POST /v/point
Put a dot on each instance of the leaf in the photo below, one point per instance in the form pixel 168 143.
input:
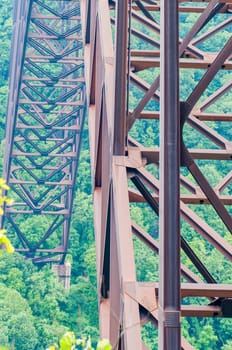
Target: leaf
pixel 104 344
pixel 7 200
pixel 67 341
pixel 6 242
pixel 3 184
pixel 52 347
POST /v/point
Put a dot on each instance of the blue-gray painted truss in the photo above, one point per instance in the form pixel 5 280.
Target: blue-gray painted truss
pixel 45 117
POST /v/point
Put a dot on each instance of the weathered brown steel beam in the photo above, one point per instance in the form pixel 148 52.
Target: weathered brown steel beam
pixel 213 116
pixel 200 311
pixel 185 198
pixel 189 9
pixel 142 62
pixel 199 115
pixel 115 258
pixel 140 289
pixel 224 183
pixel 136 158
pixel 152 154
pixel 203 290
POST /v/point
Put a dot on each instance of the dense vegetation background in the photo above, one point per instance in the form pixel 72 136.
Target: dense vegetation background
pixel 35 310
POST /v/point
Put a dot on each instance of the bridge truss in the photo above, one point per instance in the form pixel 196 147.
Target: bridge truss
pixel 145 162
pixel 46 109
pixel 152 142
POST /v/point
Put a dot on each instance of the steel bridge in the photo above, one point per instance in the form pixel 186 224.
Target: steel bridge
pixel 153 140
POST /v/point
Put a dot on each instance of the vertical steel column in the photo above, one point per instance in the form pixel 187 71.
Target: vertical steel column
pixel 169 285
pixel 120 77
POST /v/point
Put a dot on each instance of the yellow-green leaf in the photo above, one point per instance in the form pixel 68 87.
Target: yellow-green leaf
pixel 3 184
pixel 104 344
pixel 6 242
pixel 8 201
pixel 67 341
pixel 52 347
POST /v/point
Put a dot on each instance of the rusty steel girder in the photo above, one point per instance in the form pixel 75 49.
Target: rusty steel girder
pixel 152 140
pixel 45 119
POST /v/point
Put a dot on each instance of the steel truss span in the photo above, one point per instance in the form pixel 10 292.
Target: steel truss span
pixel 45 118
pixel 157 135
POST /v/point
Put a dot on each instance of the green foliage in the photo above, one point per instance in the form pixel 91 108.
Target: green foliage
pixel 227 346
pixel 150 336
pixel 22 332
pixel 39 294
pixel 16 320
pixel 82 308
pixel 69 342
pixel 207 339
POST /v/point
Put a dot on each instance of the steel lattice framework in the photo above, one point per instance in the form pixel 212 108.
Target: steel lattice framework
pixel 152 141
pixel 45 118
pixel 129 145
